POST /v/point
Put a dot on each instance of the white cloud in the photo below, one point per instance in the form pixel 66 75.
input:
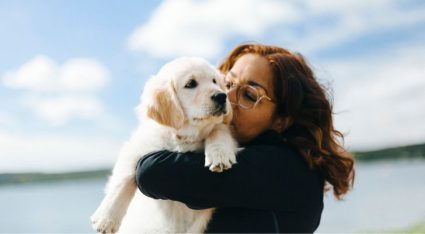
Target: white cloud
pixel 47 153
pixel 60 93
pixel 346 21
pixel 7 119
pixel 83 74
pixel 59 110
pixel 43 74
pixel 40 73
pixel 201 27
pixel 381 98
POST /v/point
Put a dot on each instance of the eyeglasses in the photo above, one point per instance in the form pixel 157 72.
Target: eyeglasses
pixel 247 96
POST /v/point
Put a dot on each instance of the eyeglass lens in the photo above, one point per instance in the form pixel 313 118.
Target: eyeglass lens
pixel 247 96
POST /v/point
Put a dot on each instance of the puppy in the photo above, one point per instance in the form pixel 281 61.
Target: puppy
pixel 183 108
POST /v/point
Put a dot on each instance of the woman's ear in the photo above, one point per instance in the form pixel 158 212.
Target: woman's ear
pixel 165 108
pixel 282 123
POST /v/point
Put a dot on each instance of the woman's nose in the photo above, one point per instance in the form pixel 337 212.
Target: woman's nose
pixel 231 94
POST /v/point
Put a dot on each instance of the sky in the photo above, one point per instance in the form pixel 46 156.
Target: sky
pixel 71 72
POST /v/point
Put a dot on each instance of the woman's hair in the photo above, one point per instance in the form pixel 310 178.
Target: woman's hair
pixel 304 102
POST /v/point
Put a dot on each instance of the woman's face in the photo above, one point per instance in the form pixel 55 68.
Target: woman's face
pixel 255 71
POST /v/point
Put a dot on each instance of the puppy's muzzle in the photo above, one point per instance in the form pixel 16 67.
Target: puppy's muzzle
pixel 220 103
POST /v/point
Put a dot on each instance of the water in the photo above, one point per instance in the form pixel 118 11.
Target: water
pixel 50 207
pixel 387 196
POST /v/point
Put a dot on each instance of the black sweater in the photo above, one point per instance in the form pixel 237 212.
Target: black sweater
pixel 270 189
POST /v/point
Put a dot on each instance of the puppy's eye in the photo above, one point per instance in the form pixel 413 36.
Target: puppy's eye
pixel 191 84
pixel 215 82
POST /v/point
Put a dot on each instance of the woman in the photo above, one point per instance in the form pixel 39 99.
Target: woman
pixel 291 152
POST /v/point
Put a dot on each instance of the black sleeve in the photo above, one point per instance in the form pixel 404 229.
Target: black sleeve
pixel 265 177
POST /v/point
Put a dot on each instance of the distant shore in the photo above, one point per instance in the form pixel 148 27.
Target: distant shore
pixel 404 152
pixel 22 178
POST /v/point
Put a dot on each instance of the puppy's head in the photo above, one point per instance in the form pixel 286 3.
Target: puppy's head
pixel 186 91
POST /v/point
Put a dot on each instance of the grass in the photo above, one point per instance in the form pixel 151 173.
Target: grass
pixel 415 228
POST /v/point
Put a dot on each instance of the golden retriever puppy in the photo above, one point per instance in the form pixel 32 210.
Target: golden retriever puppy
pixel 183 108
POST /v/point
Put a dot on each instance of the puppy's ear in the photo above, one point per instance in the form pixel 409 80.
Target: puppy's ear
pixel 165 107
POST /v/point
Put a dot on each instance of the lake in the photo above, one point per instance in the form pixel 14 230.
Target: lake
pixel 387 196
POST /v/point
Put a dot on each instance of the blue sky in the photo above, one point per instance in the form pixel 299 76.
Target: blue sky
pixel 71 72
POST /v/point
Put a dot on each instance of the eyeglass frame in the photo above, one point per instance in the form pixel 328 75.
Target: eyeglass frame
pixel 238 87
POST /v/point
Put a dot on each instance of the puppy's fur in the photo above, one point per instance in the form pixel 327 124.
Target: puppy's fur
pixel 182 109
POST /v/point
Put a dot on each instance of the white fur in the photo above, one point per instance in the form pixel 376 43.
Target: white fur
pixel 200 128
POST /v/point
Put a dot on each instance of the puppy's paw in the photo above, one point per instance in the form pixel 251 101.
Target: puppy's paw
pixel 219 159
pixel 103 223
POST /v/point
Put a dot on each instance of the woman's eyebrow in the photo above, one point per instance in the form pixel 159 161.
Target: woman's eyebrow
pixel 250 82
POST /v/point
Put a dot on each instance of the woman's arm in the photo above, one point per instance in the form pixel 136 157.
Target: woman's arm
pixel 265 177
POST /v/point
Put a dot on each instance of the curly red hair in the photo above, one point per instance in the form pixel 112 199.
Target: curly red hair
pixel 304 101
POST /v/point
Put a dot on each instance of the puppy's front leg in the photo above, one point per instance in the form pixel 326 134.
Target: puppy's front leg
pixel 220 149
pixel 119 192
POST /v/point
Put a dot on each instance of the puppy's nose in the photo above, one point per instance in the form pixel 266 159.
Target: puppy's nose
pixel 219 98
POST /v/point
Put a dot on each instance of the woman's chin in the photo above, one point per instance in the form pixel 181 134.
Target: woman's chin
pixel 240 137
